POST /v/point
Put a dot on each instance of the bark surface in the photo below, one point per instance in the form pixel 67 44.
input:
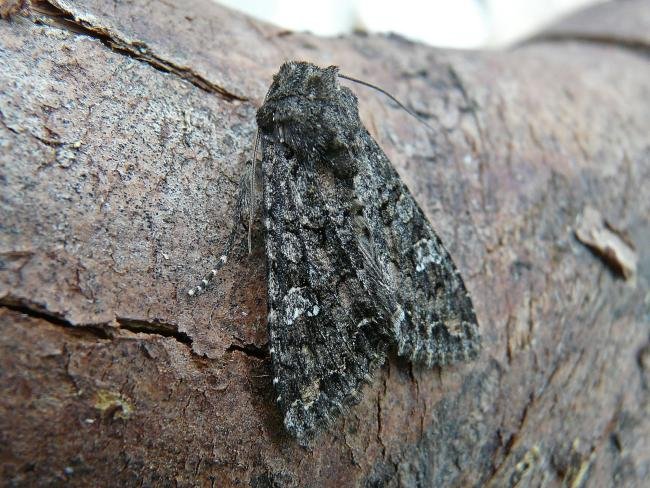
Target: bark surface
pixel 123 130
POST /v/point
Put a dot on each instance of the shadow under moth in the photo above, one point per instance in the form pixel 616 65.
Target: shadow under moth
pixel 354 267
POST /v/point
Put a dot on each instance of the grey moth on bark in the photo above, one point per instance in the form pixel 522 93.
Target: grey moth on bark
pixel 354 268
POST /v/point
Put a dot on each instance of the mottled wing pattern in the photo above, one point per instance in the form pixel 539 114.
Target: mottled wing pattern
pixel 435 321
pixel 325 333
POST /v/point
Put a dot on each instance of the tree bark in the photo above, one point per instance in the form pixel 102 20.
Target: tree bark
pixel 123 131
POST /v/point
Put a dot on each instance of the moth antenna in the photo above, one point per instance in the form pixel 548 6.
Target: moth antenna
pixel 243 199
pixel 381 90
pixel 252 192
pixel 252 181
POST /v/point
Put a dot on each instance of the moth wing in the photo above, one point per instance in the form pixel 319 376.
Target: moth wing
pixel 326 331
pixel 432 316
pixel 439 325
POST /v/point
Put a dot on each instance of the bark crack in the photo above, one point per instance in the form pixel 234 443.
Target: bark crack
pixel 101 330
pixel 36 310
pixel 154 327
pixel 511 442
pixel 249 349
pixel 379 438
pixel 58 15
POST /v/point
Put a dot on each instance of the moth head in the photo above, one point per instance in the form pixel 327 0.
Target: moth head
pixel 308 110
pixel 299 78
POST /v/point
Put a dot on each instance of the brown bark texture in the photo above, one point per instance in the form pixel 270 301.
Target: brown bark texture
pixel 124 127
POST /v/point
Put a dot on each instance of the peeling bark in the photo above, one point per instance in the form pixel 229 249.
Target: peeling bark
pixel 123 129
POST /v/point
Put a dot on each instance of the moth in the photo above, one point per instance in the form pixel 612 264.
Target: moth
pixel 354 267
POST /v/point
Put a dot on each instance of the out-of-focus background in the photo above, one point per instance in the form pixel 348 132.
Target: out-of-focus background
pixel 446 23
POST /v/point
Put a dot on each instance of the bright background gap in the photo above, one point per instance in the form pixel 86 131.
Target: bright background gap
pixel 468 24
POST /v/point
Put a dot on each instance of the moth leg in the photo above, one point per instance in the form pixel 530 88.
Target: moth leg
pixel 245 206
